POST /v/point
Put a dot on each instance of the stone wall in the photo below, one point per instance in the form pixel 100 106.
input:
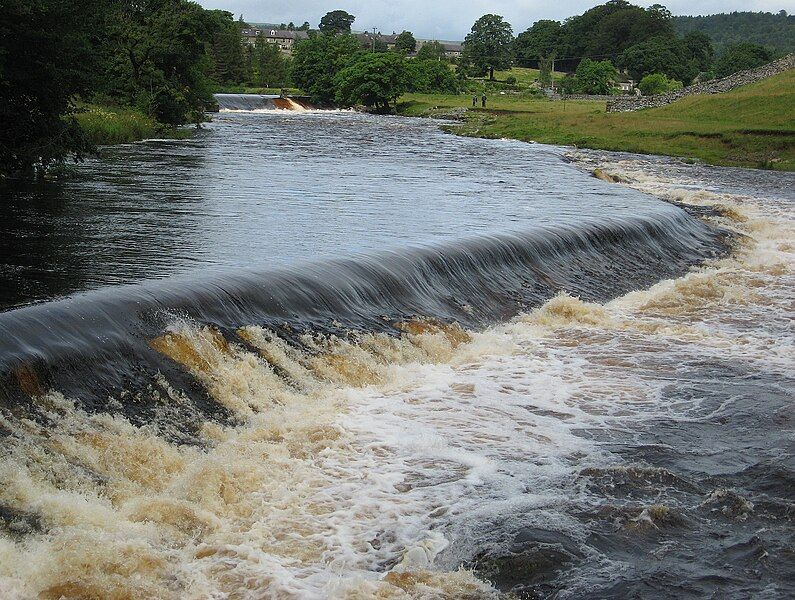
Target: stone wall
pixel 717 86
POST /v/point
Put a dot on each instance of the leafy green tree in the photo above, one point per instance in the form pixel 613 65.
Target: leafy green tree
pixel 405 43
pixel 225 49
pixel 431 51
pixel 488 46
pixel 609 29
pixel 269 67
pixel 317 60
pixel 545 72
pixel 372 79
pixel 155 58
pixel 595 77
pixel 657 83
pixel 699 48
pixel 379 45
pixel 305 27
pixel 739 57
pixel 667 55
pixel 431 77
pixel 543 39
pixel 337 21
pixel 47 58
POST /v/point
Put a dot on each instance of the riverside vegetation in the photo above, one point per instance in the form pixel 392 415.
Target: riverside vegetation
pixel 113 71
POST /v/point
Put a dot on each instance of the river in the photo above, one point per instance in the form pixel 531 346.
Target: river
pixel 314 354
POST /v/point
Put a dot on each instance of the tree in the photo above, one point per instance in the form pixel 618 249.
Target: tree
pixel 227 61
pixel 431 77
pixel 595 77
pixel 739 57
pixel 317 60
pixel 305 27
pixel 155 58
pixel 667 55
pixel 488 46
pixel 405 43
pixel 431 51
pixel 543 39
pixel 373 79
pixel 337 21
pixel 268 65
pixel 699 48
pixel 545 72
pixel 657 83
pixel 47 57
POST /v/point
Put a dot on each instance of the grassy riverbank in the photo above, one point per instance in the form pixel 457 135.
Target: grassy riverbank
pixel 104 125
pixel 753 126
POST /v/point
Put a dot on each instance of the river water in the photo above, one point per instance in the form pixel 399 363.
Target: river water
pixel 319 354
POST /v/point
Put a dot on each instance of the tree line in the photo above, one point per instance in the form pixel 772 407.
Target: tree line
pixel 164 58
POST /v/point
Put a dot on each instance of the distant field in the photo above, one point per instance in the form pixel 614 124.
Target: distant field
pixel 753 126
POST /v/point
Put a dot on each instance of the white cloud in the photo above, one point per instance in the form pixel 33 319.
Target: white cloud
pixel 451 19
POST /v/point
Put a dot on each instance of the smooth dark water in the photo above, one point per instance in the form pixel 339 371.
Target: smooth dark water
pixel 327 355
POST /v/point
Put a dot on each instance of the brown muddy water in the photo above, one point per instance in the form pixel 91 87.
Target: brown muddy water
pixel 324 355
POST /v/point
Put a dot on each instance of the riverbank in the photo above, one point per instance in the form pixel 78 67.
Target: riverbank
pixel 105 125
pixel 753 126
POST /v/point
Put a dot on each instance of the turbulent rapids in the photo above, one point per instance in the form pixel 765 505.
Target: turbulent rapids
pixel 593 401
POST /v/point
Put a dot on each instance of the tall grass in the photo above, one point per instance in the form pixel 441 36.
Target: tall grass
pixel 105 125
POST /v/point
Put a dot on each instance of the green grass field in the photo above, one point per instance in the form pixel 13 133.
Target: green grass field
pixel 104 125
pixel 753 126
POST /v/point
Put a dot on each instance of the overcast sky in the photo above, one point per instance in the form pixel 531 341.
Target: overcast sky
pixel 451 19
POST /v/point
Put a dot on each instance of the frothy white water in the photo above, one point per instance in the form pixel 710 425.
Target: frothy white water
pixel 368 467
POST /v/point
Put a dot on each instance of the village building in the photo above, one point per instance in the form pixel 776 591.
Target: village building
pixel 451 49
pixel 283 38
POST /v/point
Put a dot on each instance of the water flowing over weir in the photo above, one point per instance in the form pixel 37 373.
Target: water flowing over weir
pixel 94 346
pixel 318 355
pixel 259 102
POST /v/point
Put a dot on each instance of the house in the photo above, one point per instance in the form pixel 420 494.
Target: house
pixel 285 39
pixel 625 83
pixel 451 49
pixel 367 40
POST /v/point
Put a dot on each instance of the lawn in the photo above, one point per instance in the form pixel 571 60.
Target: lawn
pixel 753 126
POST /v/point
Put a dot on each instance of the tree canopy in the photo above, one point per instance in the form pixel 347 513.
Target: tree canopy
pixel 337 21
pixel 488 45
pixel 317 60
pixel 47 55
pixel 739 57
pixel 431 51
pixel 373 79
pixel 774 31
pixel 405 42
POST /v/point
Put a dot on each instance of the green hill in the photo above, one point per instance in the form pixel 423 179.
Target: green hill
pixel 776 31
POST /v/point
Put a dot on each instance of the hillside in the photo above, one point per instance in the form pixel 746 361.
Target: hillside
pixel 752 126
pixel 777 31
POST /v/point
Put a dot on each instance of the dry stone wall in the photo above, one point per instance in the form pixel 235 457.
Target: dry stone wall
pixel 717 86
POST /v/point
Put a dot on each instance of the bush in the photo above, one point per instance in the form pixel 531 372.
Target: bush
pixel 510 80
pixel 431 77
pixel 657 83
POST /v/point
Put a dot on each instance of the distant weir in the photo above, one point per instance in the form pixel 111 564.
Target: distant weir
pixel 259 102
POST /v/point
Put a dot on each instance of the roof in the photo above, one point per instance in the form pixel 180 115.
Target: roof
pixel 367 38
pixel 274 33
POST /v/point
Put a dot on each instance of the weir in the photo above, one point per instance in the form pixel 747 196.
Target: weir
pixel 259 102
pixel 98 345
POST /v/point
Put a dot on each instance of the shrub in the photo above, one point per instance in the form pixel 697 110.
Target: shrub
pixel 510 80
pixel 657 83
